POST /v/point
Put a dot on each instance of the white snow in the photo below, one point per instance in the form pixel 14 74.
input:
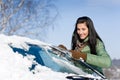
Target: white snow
pixel 14 66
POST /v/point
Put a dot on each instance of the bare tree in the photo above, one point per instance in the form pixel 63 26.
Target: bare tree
pixel 26 17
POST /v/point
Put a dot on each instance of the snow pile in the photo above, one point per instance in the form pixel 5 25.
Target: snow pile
pixel 16 67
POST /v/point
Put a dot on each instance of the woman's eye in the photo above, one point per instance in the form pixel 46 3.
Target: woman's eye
pixel 83 29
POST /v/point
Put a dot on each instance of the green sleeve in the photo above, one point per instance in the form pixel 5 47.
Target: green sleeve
pixel 102 59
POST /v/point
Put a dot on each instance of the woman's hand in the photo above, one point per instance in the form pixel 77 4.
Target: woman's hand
pixel 78 55
pixel 62 47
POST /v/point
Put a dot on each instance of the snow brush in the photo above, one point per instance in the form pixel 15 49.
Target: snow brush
pixel 68 56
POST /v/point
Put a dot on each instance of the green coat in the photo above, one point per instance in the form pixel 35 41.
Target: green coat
pixel 99 61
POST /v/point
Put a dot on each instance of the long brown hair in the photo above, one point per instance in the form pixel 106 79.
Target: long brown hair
pixel 92 38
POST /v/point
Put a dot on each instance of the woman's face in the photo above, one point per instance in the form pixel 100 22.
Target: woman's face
pixel 82 30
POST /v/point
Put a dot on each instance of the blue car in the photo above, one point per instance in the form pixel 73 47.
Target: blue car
pixel 52 57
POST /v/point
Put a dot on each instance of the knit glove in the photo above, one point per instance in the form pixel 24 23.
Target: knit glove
pixel 62 47
pixel 77 55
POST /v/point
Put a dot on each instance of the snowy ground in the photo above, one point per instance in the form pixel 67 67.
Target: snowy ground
pixel 15 66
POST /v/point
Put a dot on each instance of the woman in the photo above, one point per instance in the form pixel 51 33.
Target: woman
pixel 87 44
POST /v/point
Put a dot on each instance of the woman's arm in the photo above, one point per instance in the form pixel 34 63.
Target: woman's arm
pixel 102 59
